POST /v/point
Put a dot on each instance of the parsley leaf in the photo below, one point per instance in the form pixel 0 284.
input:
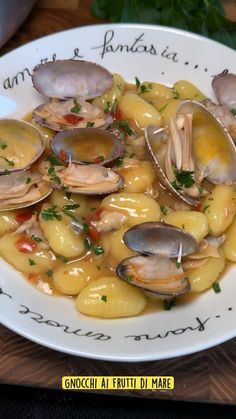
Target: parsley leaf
pixel 104 298
pixel 168 304
pixel 70 206
pixel 49 273
pixel 76 109
pixel 37 239
pixel 31 262
pixel 28 180
pixel 233 111
pixel 50 214
pixel 3 146
pixel 184 178
pixel 124 125
pixel 90 124
pixel 10 162
pixel 216 287
pixel 205 17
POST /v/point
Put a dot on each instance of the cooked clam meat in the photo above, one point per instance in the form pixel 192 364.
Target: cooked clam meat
pixel 155 270
pixel 21 189
pixel 90 179
pixel 69 84
pixel 77 113
pixel 195 146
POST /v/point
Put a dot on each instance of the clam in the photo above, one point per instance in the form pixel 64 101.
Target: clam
pixel 224 86
pixel 68 84
pixel 154 270
pixel 22 189
pixel 89 179
pixel 86 145
pixel 193 147
pixel 21 144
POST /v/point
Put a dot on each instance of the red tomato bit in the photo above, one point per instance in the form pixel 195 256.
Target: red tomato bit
pixel 73 119
pixel 63 155
pixel 25 244
pixel 23 216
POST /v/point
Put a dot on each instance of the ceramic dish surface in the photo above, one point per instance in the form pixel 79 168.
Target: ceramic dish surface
pixel 151 53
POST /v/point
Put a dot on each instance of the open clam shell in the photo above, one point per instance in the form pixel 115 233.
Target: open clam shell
pixel 22 189
pixel 71 78
pixel 174 284
pixel 21 144
pixel 153 238
pixel 214 151
pixel 156 143
pixel 87 145
pixel 153 270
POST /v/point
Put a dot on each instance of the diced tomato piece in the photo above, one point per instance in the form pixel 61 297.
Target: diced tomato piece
pixel 97 215
pixel 98 159
pixel 73 119
pixel 62 155
pixel 117 114
pixel 93 234
pixel 23 216
pixel 31 276
pixel 25 244
pixel 198 207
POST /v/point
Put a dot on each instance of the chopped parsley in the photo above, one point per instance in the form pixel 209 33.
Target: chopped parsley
pixel 53 160
pixel 142 88
pixel 54 177
pixel 111 106
pixel 49 273
pixel 98 267
pixel 3 146
pixel 178 264
pixel 184 178
pixel 90 124
pixel 31 262
pixel 51 214
pixel 68 195
pixel 183 226
pixel 10 162
pixel 168 304
pixel 104 298
pixel 6 172
pixel 88 244
pixel 200 189
pixel 37 239
pixel 205 208
pixel 93 209
pixel 164 210
pixel 70 207
pixel 216 287
pixel 76 109
pixel 98 250
pixel 233 111
pixel 137 82
pixel 129 278
pixel 163 107
pixel 119 161
pixel 86 228
pixel 28 180
pixel 124 125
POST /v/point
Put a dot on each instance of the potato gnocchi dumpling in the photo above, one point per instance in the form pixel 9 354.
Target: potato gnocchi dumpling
pixel 109 297
pixel 133 107
pixel 139 208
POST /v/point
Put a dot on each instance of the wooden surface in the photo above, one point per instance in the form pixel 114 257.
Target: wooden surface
pixel 207 376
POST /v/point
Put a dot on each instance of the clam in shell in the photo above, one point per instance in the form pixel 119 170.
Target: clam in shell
pixel 154 270
pixel 22 189
pixel 194 147
pixel 21 144
pixel 87 146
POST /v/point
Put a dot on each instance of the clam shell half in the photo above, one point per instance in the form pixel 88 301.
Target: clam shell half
pixel 87 145
pixel 71 78
pixel 21 144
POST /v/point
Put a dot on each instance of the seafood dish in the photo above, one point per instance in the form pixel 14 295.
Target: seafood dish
pixel 120 195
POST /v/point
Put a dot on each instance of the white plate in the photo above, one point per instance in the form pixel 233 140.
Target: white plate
pixel 151 53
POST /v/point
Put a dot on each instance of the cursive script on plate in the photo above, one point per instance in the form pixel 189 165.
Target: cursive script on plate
pixel 199 326
pixel 137 46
